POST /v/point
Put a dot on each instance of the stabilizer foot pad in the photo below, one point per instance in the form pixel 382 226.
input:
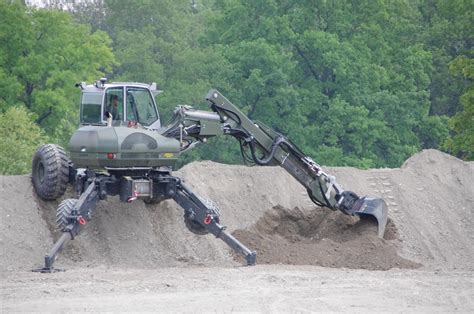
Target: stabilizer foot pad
pixel 47 270
pixel 251 259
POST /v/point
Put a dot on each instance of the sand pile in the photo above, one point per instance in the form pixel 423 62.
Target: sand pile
pixel 430 202
pixel 320 236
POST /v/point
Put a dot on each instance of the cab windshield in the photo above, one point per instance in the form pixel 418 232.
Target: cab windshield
pixel 140 106
pixel 122 104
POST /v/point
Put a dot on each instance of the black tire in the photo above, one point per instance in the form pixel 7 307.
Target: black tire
pixel 195 227
pixel 50 171
pixel 63 211
pixel 152 201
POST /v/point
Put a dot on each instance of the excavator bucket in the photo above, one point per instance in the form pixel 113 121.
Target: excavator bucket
pixel 374 207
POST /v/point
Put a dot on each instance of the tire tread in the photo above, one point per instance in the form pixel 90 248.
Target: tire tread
pixel 56 171
pixel 64 209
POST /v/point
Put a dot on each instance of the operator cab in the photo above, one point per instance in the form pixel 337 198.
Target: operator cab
pixel 119 123
pixel 125 102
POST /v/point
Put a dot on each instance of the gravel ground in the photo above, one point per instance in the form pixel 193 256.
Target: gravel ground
pixel 269 289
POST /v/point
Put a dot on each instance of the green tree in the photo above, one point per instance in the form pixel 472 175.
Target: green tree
pixel 447 34
pixel 343 79
pixel 461 144
pixel 20 138
pixel 42 54
pixel 159 41
pixel 361 83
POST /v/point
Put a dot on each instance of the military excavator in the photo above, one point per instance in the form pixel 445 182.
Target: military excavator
pixel 121 149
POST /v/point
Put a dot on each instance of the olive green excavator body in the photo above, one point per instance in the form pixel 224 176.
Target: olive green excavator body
pixel 119 123
pixel 121 147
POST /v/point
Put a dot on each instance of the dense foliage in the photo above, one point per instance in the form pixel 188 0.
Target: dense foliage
pixel 360 83
pixel 42 54
pixel 19 135
pixel 462 142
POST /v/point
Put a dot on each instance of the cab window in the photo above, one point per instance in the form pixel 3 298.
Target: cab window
pixel 91 104
pixel 114 103
pixel 140 106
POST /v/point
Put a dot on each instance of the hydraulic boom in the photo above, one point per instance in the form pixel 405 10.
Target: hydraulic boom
pixel 262 145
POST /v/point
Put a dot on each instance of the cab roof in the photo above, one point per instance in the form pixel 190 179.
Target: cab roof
pixel 100 85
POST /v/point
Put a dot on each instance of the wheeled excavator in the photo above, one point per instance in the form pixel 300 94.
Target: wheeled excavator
pixel 121 149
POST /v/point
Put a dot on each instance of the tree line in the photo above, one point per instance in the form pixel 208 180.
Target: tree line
pixel 353 83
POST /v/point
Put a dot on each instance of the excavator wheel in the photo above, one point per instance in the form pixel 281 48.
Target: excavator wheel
pixel 63 211
pixel 50 171
pixel 152 201
pixel 194 226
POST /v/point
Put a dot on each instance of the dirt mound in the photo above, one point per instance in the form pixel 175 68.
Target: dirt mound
pixel 320 236
pixel 24 235
pixel 430 201
pixel 137 235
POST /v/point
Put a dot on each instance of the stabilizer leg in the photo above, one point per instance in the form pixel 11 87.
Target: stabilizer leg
pixel 83 207
pixel 208 218
pixel 236 245
pixel 53 253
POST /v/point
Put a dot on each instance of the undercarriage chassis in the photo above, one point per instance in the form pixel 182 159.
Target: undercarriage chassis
pixel 201 216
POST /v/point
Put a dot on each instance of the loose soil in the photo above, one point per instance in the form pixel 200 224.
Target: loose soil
pixel 430 200
pixel 320 236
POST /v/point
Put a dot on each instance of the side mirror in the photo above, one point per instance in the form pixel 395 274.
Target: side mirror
pixel 81 85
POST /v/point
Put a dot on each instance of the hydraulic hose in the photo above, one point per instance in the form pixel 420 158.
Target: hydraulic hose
pixel 262 162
